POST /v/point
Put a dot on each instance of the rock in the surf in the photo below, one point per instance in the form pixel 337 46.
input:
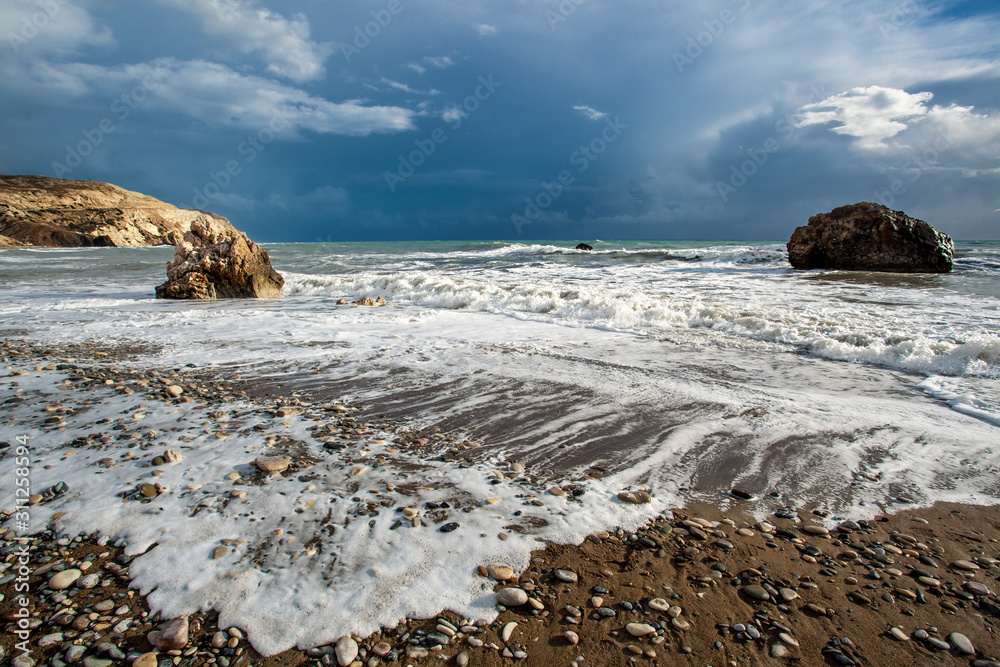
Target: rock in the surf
pixel 218 262
pixel 870 237
pixel 584 246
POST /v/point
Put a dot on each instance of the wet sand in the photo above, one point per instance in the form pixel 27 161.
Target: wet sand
pixel 687 579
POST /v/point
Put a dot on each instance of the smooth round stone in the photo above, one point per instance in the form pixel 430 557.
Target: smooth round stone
pixel 63 580
pixel 788 639
pixel 508 631
pixel 346 650
pixel 639 629
pixel 898 634
pixel 511 597
pixel 679 623
pixel 779 651
pixel 272 463
pixel 976 588
pixel 635 497
pixel 929 581
pixel 674 611
pixel 815 530
pixel 88 581
pixel 568 576
pixel 148 490
pixel 606 612
pixel 961 643
pixel 921 634
pixel 462 659
pixel 756 593
pixel 571 637
pixel 739 627
pixel 787 594
pixel 175 390
pixel 658 604
pixel 500 572
pixel 220 639
pixel 939 644
pixel 745 532
pixel 556 491
pixel 753 632
pixel 966 565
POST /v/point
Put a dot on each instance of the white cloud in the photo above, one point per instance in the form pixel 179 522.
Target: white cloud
pixel 485 30
pixel 439 62
pixel 589 112
pixel 396 85
pixel 871 114
pixel 34 28
pixel 283 43
pixel 453 114
pixel 414 67
pixel 218 97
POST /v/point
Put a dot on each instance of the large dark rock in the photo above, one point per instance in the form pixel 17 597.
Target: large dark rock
pixel 584 246
pixel 870 237
pixel 218 262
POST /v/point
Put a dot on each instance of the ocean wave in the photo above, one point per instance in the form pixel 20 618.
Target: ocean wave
pixel 847 334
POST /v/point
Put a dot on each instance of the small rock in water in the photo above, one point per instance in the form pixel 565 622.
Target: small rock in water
pixel 347 650
pixel 148 490
pixel 272 463
pixel 567 576
pixel 635 497
pixel 500 572
pixel 511 597
pixel 219 552
pixel 448 527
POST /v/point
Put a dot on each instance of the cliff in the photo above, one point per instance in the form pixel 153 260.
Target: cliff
pixel 54 212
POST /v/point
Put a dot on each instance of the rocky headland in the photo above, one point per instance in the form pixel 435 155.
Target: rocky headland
pixel 59 213
pixel 870 237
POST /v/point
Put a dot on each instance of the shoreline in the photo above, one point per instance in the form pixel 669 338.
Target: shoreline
pixel 634 567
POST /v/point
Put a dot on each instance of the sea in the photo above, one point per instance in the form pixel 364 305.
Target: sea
pixel 682 369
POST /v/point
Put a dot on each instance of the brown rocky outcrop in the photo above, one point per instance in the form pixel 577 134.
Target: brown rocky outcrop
pixel 870 237
pixel 215 261
pixel 55 212
pixel 8 242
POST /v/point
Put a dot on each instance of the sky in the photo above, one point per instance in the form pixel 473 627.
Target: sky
pixel 311 120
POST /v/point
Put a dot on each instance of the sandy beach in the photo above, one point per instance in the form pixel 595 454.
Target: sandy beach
pixel 700 585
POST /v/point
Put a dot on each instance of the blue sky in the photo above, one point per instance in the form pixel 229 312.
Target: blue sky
pixel 506 119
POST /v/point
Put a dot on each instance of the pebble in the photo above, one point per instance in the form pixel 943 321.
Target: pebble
pixel 898 634
pixel 756 593
pixel 219 552
pixel 568 576
pixel 788 639
pixel 462 659
pixel 779 651
pixel 657 604
pixel 173 635
pixel 500 572
pixel 88 581
pixel 571 637
pixel 65 579
pixel 815 530
pixel 961 643
pixel 272 463
pixel 639 629
pixel 511 597
pixel 966 565
pixel 787 594
pixel 346 650
pixel 635 497
pixel 977 588
pixel 508 631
